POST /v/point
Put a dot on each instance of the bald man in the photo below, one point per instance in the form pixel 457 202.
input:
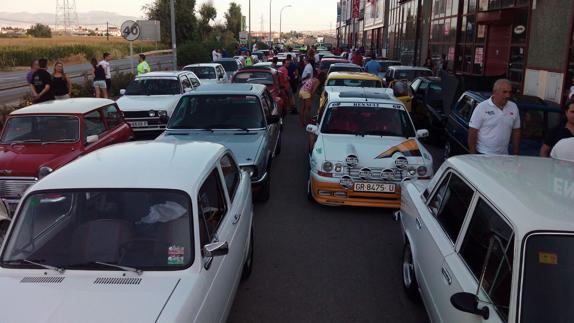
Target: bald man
pixel 494 122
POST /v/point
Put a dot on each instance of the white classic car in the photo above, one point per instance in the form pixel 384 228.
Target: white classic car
pixel 112 237
pixel 365 146
pixel 490 239
pixel 150 98
pixel 209 73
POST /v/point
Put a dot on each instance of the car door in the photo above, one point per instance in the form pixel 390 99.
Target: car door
pixel 457 125
pixel 485 229
pixel 185 84
pixel 272 128
pixel 119 130
pixel 216 225
pixel 438 225
pixel 94 125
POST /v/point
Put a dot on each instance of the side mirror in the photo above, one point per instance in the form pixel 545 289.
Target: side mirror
pixel 273 119
pixel 91 139
pixel 468 303
pixel 122 91
pixel 311 128
pixel 215 249
pixel 422 133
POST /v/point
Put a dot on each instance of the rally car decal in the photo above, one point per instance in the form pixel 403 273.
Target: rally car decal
pixel 409 148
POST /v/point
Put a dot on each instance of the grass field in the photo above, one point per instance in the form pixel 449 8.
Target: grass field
pixel 16 52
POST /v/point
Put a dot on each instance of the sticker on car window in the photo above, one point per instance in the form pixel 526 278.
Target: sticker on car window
pixel 548 258
pixel 175 255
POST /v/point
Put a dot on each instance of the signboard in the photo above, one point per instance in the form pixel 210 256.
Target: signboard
pixel 243 36
pixel 356 8
pixel 130 30
pixel 149 30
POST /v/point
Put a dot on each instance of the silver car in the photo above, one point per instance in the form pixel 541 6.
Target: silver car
pixel 242 117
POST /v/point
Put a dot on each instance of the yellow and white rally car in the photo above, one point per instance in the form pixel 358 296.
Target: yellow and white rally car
pixel 366 146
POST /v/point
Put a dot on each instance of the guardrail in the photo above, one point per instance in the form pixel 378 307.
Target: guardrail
pixel 115 69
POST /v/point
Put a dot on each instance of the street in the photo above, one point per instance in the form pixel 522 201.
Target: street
pixel 316 263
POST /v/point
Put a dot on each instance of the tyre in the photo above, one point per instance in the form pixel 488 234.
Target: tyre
pixel 265 190
pixel 309 194
pixel 248 265
pixel 409 279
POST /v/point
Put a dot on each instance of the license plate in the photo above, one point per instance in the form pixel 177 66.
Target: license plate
pixel 137 124
pixel 374 187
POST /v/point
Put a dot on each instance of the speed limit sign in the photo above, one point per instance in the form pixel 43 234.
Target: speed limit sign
pixel 130 30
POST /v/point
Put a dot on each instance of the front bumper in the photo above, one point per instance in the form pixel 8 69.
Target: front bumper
pixel 344 196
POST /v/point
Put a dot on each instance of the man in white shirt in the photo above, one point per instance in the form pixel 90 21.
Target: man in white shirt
pixel 105 63
pixel 215 55
pixel 494 122
pixel 307 71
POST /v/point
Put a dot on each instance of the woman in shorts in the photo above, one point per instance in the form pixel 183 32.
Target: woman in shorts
pixel 306 94
pixel 99 79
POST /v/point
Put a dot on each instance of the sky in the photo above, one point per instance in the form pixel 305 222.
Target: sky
pixel 303 15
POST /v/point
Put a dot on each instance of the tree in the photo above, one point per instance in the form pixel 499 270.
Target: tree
pixel 207 13
pixel 40 31
pixel 233 18
pixel 185 20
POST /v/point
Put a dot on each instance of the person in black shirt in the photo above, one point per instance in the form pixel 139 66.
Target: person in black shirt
pixel 61 83
pixel 561 132
pixel 41 85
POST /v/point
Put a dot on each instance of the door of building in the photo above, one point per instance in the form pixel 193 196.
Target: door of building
pixel 498 50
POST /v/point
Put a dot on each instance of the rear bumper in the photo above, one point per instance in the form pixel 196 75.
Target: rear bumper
pixel 352 198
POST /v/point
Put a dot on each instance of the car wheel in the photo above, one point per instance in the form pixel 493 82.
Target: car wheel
pixel 309 194
pixel 265 191
pixel 447 152
pixel 409 279
pixel 248 265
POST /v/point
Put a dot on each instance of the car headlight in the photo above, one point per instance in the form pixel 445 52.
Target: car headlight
pixel 422 170
pixel 251 170
pixel 401 162
pixel 365 173
pixel 328 166
pixel 352 160
pixel 151 113
pixel 44 171
pixel 412 171
pixel 338 167
pixel 346 181
pixel 162 113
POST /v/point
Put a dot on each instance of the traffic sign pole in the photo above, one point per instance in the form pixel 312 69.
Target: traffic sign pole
pixel 132 58
pixel 130 32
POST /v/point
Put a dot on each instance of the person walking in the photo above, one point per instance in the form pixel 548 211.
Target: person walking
pixel 105 63
pixel 99 74
pixel 143 66
pixel 61 83
pixel 306 94
pixel 307 71
pixel 41 85
pixel 373 66
pixel 33 69
pixel 560 132
pixel 494 122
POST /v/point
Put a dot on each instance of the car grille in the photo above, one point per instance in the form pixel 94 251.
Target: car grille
pixel 136 114
pixel 14 188
pixel 376 174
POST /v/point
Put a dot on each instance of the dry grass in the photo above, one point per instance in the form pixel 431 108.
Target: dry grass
pixel 66 40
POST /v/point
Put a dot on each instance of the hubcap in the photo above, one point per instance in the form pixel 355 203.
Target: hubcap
pixel 408 268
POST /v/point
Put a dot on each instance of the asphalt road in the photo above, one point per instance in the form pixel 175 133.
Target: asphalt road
pixel 315 263
pixel 9 95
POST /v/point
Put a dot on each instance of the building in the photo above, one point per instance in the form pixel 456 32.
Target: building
pixel 530 42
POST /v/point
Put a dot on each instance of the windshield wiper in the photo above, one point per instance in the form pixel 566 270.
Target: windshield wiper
pixel 59 270
pixel 124 268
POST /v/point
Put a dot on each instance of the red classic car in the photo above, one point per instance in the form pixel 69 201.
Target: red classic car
pixel 268 77
pixel 40 138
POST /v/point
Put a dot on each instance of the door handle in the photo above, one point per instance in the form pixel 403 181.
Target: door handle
pixel 419 225
pixel 236 218
pixel 446 276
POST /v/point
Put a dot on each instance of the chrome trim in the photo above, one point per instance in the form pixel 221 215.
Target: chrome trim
pixel 260 180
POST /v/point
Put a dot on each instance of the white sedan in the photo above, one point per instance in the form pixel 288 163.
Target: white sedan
pixel 209 73
pixel 112 237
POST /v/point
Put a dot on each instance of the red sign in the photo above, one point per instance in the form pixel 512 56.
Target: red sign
pixel 356 8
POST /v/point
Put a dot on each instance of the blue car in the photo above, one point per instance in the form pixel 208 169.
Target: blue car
pixel 537 118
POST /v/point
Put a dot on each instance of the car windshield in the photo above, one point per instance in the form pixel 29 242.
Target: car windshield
pixel 354 83
pixel 367 120
pixel 535 124
pixel 229 66
pixel 410 74
pixel 547 286
pixel 254 77
pixel 217 112
pixel 151 86
pixel 203 72
pixel 41 129
pixel 147 229
pixel 326 64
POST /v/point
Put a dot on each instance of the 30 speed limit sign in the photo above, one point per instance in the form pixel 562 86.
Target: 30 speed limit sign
pixel 130 30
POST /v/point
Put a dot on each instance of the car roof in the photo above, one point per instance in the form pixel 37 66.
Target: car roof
pixel 68 106
pixel 229 88
pixel 345 65
pixel 363 94
pixel 142 164
pixel 429 78
pixel 353 75
pixel 163 74
pixel 534 193
pixel 405 67
pixel 522 101
pixel 203 64
pixel 225 59
pixel 333 59
pixel 259 68
pixel 387 61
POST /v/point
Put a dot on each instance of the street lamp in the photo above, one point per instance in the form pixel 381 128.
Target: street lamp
pixel 280 16
pixel 270 39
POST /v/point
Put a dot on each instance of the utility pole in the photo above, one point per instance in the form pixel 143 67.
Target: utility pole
pixel 280 17
pixel 173 40
pixel 270 38
pixel 249 32
pixel 107 31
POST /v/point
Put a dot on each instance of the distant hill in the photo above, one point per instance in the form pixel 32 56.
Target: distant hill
pixel 87 19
